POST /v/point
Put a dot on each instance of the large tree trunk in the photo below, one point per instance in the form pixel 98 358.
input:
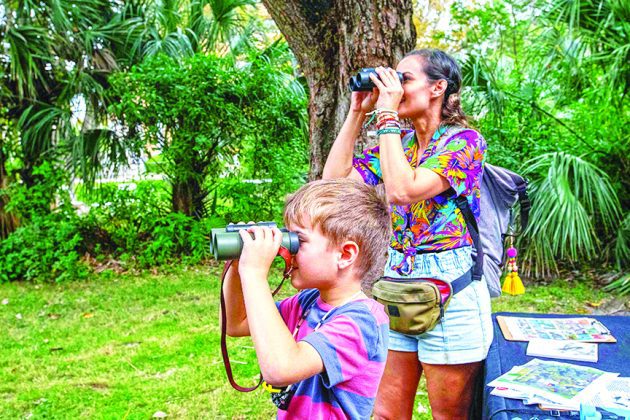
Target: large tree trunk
pixel 332 39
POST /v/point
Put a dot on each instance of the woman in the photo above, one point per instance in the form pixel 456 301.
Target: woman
pixel 442 158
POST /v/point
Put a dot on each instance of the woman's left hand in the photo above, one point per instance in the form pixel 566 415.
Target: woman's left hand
pixel 389 88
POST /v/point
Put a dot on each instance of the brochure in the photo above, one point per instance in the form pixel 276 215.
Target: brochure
pixel 614 396
pixel 578 329
pixel 562 383
pixel 563 349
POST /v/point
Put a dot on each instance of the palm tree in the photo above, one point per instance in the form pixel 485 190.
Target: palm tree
pixel 573 206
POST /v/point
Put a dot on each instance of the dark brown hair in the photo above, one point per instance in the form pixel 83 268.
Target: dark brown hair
pixel 438 65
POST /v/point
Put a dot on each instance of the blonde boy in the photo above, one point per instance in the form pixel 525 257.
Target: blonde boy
pixel 328 343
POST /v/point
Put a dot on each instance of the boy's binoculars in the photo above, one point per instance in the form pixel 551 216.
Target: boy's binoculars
pixel 362 81
pixel 226 242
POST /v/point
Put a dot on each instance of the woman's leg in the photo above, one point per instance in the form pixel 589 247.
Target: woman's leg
pixel 451 389
pixel 397 391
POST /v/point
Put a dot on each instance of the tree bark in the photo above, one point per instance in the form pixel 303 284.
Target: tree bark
pixel 332 40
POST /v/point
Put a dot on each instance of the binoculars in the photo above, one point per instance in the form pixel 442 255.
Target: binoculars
pixel 362 81
pixel 226 242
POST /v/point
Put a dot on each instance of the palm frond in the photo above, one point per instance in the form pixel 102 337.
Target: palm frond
pixel 573 200
pixel 622 243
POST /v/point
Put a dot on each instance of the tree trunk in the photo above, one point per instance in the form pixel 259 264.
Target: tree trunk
pixel 331 40
pixel 187 198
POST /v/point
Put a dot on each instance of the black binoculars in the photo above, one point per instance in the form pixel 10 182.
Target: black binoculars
pixel 226 242
pixel 362 82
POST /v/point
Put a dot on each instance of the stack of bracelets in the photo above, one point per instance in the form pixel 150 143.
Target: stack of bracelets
pixel 387 121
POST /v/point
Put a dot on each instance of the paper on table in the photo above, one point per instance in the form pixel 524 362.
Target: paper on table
pixel 563 349
pixel 613 396
pixel 580 329
pixel 562 383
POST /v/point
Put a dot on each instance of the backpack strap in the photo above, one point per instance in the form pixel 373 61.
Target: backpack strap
pixel 469 218
pixel 471 223
pixel 523 199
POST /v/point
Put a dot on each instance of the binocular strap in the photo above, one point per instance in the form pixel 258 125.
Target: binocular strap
pixel 288 267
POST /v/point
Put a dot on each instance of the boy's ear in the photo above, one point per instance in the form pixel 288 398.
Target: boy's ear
pixel 349 252
pixel 439 88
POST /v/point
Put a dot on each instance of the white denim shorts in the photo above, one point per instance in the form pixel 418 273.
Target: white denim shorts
pixel 465 333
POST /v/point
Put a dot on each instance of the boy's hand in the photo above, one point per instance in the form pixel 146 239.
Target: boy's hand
pixel 258 252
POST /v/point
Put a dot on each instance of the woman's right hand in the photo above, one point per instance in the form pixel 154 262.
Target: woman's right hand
pixel 363 101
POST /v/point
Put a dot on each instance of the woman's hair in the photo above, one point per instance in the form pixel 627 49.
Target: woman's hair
pixel 439 65
pixel 346 210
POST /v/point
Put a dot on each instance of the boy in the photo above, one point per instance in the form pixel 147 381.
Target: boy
pixel 328 343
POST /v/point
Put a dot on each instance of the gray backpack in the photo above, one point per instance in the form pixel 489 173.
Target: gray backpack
pixel 500 191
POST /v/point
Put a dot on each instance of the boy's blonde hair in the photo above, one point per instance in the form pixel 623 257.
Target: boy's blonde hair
pixel 346 210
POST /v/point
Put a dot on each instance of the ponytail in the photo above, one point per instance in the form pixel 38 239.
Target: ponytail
pixel 452 112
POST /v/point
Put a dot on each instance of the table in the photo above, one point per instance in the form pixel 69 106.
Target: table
pixel 503 355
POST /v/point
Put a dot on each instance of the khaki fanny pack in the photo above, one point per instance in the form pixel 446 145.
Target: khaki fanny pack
pixel 415 305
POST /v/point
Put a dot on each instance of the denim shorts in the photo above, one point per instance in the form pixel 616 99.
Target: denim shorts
pixel 465 333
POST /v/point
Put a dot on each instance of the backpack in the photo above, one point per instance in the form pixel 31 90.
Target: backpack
pixel 500 191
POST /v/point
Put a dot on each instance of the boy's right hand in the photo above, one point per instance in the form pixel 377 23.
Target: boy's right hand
pixel 258 252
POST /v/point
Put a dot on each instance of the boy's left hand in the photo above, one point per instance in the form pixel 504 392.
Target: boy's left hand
pixel 259 251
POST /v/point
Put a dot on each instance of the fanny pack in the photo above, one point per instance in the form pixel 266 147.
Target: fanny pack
pixel 415 305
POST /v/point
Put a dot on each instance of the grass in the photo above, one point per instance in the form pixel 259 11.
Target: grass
pixel 133 346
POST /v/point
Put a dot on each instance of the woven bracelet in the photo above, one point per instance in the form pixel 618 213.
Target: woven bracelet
pixel 388 131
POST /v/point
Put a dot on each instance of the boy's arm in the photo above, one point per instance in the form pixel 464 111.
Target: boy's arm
pixel 236 317
pixel 282 361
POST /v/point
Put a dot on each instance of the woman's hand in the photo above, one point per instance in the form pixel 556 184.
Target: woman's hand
pixel 389 87
pixel 363 102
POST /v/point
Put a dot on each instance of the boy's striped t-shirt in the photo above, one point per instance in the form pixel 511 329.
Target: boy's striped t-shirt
pixel 352 342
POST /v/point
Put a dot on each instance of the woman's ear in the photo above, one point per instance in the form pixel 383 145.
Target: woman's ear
pixel 349 252
pixel 439 88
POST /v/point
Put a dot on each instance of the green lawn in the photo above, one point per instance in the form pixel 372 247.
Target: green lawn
pixel 133 346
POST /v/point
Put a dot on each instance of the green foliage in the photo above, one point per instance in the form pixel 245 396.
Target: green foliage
pixel 177 236
pixel 47 248
pixel 620 286
pixel 131 222
pixel 573 205
pixel 546 83
pixel 48 245
pixel 215 122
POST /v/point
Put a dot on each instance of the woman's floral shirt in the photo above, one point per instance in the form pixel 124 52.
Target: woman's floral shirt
pixel 435 224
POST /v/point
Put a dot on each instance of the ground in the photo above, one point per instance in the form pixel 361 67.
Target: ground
pixel 147 345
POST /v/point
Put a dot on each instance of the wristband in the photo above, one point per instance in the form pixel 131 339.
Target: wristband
pixel 388 131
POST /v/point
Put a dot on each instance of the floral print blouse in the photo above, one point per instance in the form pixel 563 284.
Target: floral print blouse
pixel 435 224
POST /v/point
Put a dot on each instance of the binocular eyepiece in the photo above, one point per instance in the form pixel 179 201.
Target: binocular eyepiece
pixel 226 242
pixel 362 82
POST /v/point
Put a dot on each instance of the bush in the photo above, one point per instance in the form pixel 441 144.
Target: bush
pixel 48 245
pixel 47 248
pixel 132 222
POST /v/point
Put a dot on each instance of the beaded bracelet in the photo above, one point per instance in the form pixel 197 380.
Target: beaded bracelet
pixel 377 112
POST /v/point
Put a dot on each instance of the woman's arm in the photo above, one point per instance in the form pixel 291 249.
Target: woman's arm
pixel 339 161
pixel 403 184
